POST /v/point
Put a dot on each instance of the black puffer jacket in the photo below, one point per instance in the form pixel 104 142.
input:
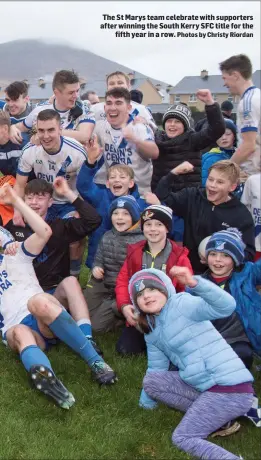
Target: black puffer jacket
pixel 186 147
pixel 112 252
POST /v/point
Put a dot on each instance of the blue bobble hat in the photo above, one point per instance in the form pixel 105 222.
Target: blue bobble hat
pixel 230 242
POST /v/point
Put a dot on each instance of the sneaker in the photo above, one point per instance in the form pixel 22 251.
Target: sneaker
pixel 45 381
pixel 227 430
pixel 255 416
pixel 103 373
pixel 95 346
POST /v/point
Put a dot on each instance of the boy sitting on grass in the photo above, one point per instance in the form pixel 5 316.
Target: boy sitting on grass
pixel 155 251
pixel 100 292
pixel 209 210
pixel 33 319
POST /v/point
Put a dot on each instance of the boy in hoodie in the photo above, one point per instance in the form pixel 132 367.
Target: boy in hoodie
pixel 179 143
pixel 124 213
pixel 210 210
pixel 155 251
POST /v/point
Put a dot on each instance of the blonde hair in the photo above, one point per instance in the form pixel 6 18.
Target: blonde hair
pixel 121 168
pixel 229 168
pixel 113 74
pixel 5 119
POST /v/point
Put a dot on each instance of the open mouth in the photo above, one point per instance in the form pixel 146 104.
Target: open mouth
pixel 117 188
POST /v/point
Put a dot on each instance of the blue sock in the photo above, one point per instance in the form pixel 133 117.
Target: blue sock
pixel 75 267
pixel 32 356
pixel 85 326
pixel 66 329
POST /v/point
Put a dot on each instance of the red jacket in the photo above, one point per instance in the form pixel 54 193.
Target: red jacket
pixel 133 263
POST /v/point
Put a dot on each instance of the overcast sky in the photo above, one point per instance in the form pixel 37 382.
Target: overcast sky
pixel 166 59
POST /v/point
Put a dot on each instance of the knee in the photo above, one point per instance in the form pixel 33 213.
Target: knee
pixel 178 439
pixel 39 305
pixel 149 384
pixel 18 333
pixel 70 284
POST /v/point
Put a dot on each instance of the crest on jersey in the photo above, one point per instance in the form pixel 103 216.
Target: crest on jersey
pixel 120 203
pixel 220 245
pixel 139 286
pixel 147 215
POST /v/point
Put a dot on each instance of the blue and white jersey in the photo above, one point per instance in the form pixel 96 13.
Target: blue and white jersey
pixel 68 120
pixel 18 283
pixel 18 118
pixel 136 110
pixel 66 162
pixel 116 150
pixel 248 119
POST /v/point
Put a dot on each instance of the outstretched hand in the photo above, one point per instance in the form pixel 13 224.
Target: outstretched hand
pixel 183 275
pixel 93 149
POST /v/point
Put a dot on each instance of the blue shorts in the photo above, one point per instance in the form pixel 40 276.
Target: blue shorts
pixel 31 322
pixel 63 210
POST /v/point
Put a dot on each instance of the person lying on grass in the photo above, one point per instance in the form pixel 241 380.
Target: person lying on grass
pixel 32 319
pixel 212 385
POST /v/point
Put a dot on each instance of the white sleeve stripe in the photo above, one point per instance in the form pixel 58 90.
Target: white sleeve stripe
pixel 76 147
pixel 247 101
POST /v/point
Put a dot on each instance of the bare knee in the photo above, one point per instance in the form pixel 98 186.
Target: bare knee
pixel 43 305
pixel 16 336
pixel 70 283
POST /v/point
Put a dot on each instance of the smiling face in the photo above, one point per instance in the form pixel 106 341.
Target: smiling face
pixel 67 95
pixel 117 81
pixel 220 264
pixel 227 140
pixel 174 127
pixel 119 182
pixel 17 106
pixel 39 202
pixel 232 81
pixel 121 219
pixel 218 187
pixel 155 231
pixel 117 111
pixel 151 300
pixel 49 133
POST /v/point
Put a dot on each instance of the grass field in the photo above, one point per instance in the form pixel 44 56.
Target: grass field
pixel 104 423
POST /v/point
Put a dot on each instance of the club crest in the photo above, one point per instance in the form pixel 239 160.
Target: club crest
pixel 220 245
pixel 147 215
pixel 139 286
pixel 120 203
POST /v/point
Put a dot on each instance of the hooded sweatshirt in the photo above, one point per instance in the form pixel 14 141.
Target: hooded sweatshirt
pixel 202 218
pixel 184 335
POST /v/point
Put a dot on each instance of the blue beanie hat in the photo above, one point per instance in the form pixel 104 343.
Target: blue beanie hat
pixel 230 242
pixel 231 125
pixel 127 202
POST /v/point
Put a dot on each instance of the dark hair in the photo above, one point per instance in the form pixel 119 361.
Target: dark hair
pixel 119 92
pixel 85 95
pixel 136 95
pixel 38 187
pixel 143 322
pixel 240 63
pixel 48 114
pixel 5 119
pixel 16 89
pixel 64 77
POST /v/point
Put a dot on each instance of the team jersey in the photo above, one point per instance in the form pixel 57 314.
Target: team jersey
pixel 248 119
pixel 252 199
pixel 117 150
pixel 136 110
pixel 18 283
pixel 66 163
pixel 70 119
pixel 17 118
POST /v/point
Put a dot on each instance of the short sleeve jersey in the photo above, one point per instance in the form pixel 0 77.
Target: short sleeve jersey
pixel 18 283
pixel 252 199
pixel 248 120
pixel 116 150
pixel 65 163
pixel 68 120
pixel 136 110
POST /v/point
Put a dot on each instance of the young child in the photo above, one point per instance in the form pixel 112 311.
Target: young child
pixel 157 251
pixel 252 200
pixel 32 319
pixel 100 292
pixel 178 142
pixel 226 146
pixel 212 385
pixel 209 210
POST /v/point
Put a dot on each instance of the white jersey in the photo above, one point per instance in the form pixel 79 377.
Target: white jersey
pixel 116 150
pixel 136 110
pixel 248 119
pixel 18 283
pixel 66 162
pixel 252 199
pixel 68 120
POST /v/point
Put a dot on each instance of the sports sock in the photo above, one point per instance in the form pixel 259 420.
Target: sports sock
pixel 75 267
pixel 32 356
pixel 85 326
pixel 65 328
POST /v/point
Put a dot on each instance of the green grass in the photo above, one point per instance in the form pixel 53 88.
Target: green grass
pixel 104 423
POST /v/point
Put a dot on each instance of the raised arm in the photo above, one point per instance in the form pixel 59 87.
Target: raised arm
pixel 35 243
pixel 144 140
